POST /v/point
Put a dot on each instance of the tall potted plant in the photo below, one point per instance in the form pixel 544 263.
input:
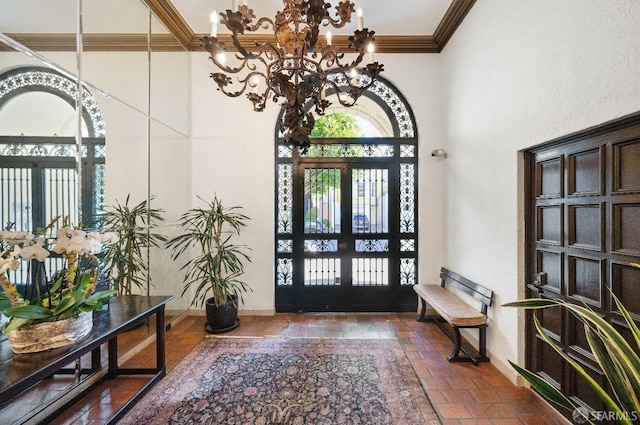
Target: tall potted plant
pixel 126 261
pixel 214 264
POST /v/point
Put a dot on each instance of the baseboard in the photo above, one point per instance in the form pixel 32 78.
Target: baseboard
pixel 269 312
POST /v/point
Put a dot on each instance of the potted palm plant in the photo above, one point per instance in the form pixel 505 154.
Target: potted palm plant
pixel 126 261
pixel 214 264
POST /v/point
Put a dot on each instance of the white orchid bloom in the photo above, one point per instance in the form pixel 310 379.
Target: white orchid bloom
pixel 109 238
pixel 78 233
pixel 59 246
pixel 4 263
pixel 78 244
pixel 34 252
pixel 95 246
pixel 16 251
pixel 14 264
pixel 9 263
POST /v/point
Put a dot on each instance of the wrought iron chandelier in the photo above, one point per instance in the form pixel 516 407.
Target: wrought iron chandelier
pixel 297 68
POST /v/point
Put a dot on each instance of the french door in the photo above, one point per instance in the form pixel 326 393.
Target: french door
pixel 347 248
pixel 39 182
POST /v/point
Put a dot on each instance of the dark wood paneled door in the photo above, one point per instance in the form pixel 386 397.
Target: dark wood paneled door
pixel 583 230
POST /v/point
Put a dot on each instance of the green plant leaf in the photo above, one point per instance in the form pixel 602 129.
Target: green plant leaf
pixel 542 386
pixel 532 303
pixel 15 323
pixel 29 312
pixel 619 362
pixel 69 301
pixel 614 368
pixel 627 317
pixel 97 297
pixel 85 308
pixel 213 271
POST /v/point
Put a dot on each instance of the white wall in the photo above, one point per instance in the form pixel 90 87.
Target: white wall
pixel 519 73
pixel 233 156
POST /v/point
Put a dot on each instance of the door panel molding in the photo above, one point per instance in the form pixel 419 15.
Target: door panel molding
pixel 582 232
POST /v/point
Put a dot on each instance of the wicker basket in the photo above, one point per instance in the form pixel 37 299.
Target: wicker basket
pixel 48 335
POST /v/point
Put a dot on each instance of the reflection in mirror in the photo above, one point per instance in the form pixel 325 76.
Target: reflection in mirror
pixel 169 156
pixel 115 56
pixel 141 145
pixel 37 108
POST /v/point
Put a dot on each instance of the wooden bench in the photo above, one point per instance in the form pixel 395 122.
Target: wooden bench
pixel 457 312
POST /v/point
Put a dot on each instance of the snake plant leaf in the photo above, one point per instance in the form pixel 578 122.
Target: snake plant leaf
pixel 602 394
pixel 615 356
pixel 615 374
pixel 547 390
pixel 607 333
pixel 532 303
pixel 627 317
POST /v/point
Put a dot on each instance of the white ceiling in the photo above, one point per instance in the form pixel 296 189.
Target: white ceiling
pixel 385 17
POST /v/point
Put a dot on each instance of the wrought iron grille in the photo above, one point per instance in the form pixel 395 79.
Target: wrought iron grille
pixel 34 189
pixel 346 216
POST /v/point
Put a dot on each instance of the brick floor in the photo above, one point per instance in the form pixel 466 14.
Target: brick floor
pixel 462 394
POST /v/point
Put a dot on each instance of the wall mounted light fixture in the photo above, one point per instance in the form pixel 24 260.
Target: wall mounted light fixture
pixel 439 153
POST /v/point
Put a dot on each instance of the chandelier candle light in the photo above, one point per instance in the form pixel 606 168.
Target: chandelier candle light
pixel 298 68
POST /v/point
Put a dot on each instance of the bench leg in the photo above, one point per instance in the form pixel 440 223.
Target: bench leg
pixel 468 357
pixel 423 311
pixel 457 347
pixel 482 342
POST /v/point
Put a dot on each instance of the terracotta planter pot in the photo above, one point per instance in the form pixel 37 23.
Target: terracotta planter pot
pixel 223 318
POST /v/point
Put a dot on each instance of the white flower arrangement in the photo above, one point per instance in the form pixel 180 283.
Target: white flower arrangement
pixel 61 298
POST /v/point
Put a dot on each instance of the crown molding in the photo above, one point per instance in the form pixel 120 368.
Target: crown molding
pixel 181 36
pixel 95 42
pixel 451 20
pixel 167 13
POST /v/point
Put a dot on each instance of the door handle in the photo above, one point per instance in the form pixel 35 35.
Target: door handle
pixel 536 289
pixel 539 283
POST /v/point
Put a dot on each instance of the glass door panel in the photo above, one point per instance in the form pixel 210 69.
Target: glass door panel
pixel 370 200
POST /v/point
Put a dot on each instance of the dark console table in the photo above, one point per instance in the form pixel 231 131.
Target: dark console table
pixel 19 372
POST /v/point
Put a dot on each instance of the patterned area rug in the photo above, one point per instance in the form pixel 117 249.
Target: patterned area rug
pixel 293 381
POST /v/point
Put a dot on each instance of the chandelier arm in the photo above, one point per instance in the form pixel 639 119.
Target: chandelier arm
pixel 330 58
pixel 353 65
pixel 270 51
pixel 351 94
pixel 232 93
pixel 263 23
pixel 246 54
pixel 344 10
pixel 225 68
